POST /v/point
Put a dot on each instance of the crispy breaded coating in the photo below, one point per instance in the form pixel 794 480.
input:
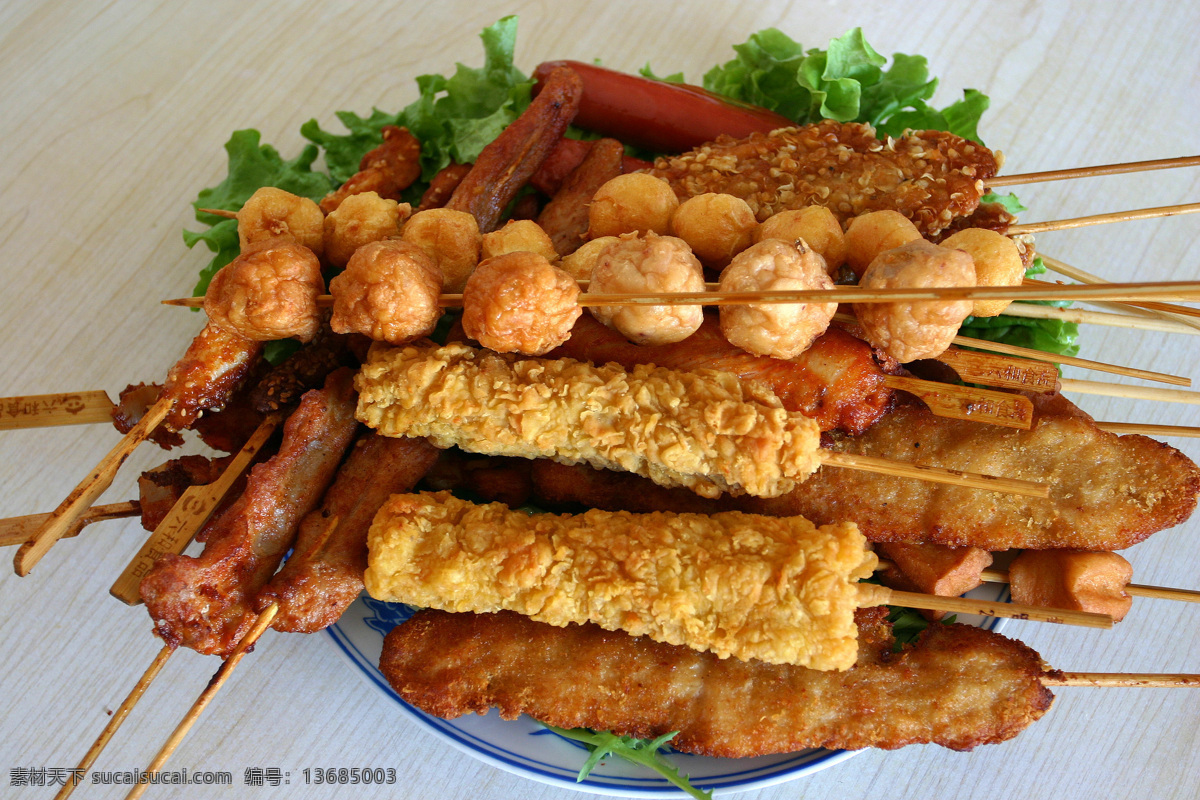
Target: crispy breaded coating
pixel 1107 492
pixel 931 177
pixel 958 686
pixel 777 589
pixel 706 430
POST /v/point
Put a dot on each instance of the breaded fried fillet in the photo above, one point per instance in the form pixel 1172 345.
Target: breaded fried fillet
pixel 958 686
pixel 775 589
pixel 706 430
pixel 931 177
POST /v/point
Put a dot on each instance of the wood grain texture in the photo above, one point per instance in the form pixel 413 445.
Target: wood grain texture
pixel 115 116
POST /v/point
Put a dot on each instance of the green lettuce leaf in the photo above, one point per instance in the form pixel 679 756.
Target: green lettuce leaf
pixel 643 752
pixel 846 82
pixel 252 165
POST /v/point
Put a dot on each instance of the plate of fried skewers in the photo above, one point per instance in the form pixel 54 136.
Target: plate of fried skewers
pixel 796 450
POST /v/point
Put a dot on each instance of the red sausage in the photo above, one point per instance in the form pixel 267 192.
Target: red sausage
pixel 663 117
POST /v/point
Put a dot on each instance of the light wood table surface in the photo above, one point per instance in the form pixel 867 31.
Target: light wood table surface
pixel 113 116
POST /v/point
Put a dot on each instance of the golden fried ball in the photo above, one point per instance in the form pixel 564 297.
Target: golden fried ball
pixel 581 263
pixel 450 238
pixel 268 293
pixel 873 233
pixel 520 303
pixel 389 292
pixel 518 235
pixel 782 330
pixel 649 264
pixel 272 213
pixel 633 203
pixel 816 225
pixel 911 331
pixel 997 263
pixel 361 219
pixel 716 226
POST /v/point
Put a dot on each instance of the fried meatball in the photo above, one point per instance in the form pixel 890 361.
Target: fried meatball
pixel 716 226
pixel 518 235
pixel 389 291
pixel 361 219
pixel 272 213
pixel 816 225
pixel 633 203
pixel 782 330
pixel 582 262
pixel 911 331
pixel 648 264
pixel 268 293
pixel 873 233
pixel 520 303
pixel 450 238
pixel 997 263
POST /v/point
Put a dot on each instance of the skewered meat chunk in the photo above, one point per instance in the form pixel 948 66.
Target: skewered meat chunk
pixel 1074 579
pixel 934 569
pixel 634 203
pixel 268 293
pixel 958 686
pixel 387 170
pixel 816 225
pixel 520 303
pixel 210 371
pixel 705 429
pixel 776 589
pixel 716 226
pixel 780 330
pixel 359 220
pixel 274 216
pixel 307 368
pixel 389 292
pixel 508 162
pixel 324 574
pixel 159 488
pixel 132 404
pixel 205 602
pixel 838 382
pixel 931 177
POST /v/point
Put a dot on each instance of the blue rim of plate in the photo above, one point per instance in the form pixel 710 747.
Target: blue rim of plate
pixel 553 760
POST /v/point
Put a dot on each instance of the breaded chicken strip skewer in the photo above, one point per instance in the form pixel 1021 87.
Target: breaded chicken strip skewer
pixel 777 589
pixel 706 430
pixel 958 686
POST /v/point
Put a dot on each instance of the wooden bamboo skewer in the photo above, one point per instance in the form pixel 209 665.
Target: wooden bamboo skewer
pixel 118 717
pixel 881 595
pixel 190 512
pixel 1090 172
pixel 214 685
pixel 1051 358
pixel 968 402
pixel 955 477
pixel 83 496
pixel 18 530
pixel 1146 429
pixel 1169 312
pixel 1134 392
pixel 1101 219
pixel 46 410
pixel 851 294
pixel 1130 321
pixel 1140 680
pixel 1160 310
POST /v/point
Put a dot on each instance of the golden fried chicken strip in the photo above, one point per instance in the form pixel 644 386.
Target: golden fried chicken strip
pixel 931 177
pixel 324 574
pixel 205 602
pixel 958 686
pixel 775 589
pixel 704 429
pixel 1107 492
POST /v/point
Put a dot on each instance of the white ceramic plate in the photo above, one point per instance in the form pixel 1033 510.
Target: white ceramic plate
pixel 524 747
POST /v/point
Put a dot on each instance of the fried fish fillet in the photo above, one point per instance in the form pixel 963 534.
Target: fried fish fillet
pixel 958 686
pixel 775 589
pixel 1107 492
pixel 931 177
pixel 704 429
